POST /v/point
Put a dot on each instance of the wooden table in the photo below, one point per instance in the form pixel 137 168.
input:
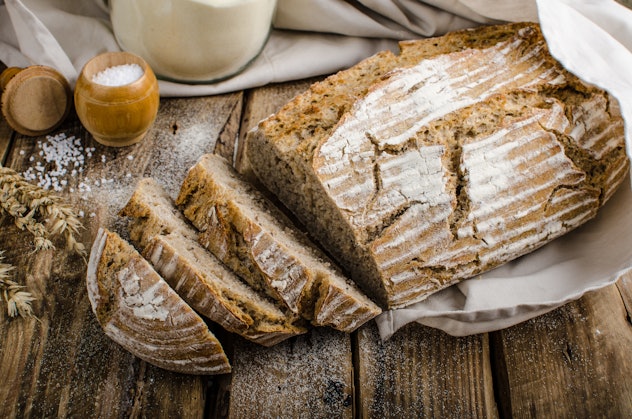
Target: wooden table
pixel 575 362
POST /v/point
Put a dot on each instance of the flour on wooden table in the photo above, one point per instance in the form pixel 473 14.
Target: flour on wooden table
pixel 179 153
pixel 100 178
pixel 59 164
pixel 315 368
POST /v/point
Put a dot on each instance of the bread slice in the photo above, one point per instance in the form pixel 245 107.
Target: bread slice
pixel 138 310
pixel 256 240
pixel 459 154
pixel 170 244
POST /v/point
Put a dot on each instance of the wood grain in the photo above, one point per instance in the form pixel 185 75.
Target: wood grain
pixel 309 376
pixel 624 285
pixel 226 145
pixel 261 103
pixel 570 362
pixel 36 99
pixel 5 139
pixel 423 372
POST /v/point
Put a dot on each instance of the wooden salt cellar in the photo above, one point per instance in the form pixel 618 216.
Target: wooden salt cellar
pixel 35 99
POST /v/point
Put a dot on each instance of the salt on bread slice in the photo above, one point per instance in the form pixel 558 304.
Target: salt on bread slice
pixel 170 244
pixel 138 310
pixel 463 152
pixel 254 238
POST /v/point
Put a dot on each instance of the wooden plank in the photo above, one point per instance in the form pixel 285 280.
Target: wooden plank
pixel 188 128
pixel 5 139
pixel 624 284
pixel 309 376
pixel 226 145
pixel 259 104
pixel 423 372
pixel 572 362
pixel 62 364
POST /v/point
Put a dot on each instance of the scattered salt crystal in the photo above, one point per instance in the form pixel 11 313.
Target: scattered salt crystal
pixel 130 157
pixel 84 187
pixel 21 152
pixel 58 164
pixel 118 75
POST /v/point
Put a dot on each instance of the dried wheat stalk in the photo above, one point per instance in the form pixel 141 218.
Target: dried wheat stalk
pixel 38 211
pixel 18 301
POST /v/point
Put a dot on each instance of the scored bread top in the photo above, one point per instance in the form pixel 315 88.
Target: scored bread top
pixel 137 309
pixel 463 152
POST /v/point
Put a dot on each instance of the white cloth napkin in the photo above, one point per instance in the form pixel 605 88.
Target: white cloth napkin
pixel 592 38
pixel 311 37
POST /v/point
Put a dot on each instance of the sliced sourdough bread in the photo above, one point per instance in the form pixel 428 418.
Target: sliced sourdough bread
pixel 256 240
pixel 461 153
pixel 170 244
pixel 138 310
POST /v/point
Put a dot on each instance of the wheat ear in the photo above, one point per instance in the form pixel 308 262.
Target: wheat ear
pixel 38 211
pixel 18 301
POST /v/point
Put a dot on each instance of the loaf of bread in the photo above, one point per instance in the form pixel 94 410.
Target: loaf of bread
pixel 170 244
pixel 137 309
pixel 461 153
pixel 257 241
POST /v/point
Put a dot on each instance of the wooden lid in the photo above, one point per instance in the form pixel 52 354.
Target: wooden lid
pixel 36 100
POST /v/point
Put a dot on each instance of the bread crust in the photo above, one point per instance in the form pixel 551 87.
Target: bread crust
pixel 251 236
pixel 170 244
pixel 138 310
pixel 409 169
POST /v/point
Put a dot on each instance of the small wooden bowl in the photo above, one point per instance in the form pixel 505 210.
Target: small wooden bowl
pixel 117 115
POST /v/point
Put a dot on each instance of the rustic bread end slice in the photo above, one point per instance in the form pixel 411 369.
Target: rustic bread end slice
pixel 170 244
pixel 137 309
pixel 255 239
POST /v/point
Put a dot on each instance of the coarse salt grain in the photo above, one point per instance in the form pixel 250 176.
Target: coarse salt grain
pixel 60 154
pixel 59 166
pixel 118 75
pixel 65 164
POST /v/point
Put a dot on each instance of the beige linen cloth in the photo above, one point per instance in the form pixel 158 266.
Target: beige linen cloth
pixel 592 38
